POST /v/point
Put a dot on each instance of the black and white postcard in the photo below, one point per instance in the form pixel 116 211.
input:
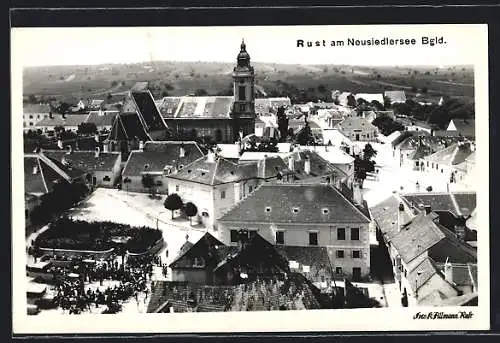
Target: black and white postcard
pixel 250 179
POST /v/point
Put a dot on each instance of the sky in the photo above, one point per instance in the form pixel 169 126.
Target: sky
pixel 84 46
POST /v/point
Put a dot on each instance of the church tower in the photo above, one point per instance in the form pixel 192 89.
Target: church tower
pixel 243 112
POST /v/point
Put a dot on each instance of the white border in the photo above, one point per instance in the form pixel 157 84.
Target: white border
pixel 315 320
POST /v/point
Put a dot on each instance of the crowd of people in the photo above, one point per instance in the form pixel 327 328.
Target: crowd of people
pixel 79 281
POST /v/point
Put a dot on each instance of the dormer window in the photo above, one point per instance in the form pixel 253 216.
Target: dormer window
pixel 268 209
pixel 146 166
pixel 181 166
pixel 295 210
pixel 325 211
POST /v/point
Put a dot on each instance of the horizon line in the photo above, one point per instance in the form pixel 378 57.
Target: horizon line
pixel 257 62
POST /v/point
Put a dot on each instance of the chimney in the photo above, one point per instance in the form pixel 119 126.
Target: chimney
pixel 460 228
pixel 60 144
pixel 105 147
pixel 210 157
pixel 428 209
pixel 356 193
pixel 96 137
pixel 70 150
pixel 35 170
pixel 307 165
pixel 141 145
pixel 448 271
pixel 401 210
pixel 97 152
pixel 182 151
pixel 241 134
pixel 261 167
pixel 291 163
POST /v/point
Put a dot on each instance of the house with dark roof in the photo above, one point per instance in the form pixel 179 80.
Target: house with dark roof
pixel 214 184
pixel 102 168
pixel 138 121
pixel 358 129
pixel 158 159
pixel 196 262
pixel 33 113
pixel 462 127
pixel 305 215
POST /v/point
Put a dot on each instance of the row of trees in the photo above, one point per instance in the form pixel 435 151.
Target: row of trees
pixel 364 164
pixel 174 202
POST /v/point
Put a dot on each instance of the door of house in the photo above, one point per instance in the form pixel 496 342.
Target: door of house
pixel 356 273
pixel 357 136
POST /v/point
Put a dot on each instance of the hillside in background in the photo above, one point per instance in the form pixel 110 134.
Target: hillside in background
pixel 181 78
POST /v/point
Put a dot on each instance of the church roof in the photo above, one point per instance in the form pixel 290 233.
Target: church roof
pixel 196 107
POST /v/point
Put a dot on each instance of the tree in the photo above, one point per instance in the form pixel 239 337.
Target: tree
pixel 321 88
pixel 109 96
pixel 148 182
pixel 191 210
pixel 369 152
pixel 87 128
pixel 305 136
pixel 351 101
pixel 173 202
pixel 59 129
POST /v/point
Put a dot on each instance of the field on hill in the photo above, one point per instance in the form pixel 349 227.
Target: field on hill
pixel 181 78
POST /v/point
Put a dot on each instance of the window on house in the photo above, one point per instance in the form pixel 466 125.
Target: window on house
pixel 234 236
pixel 356 254
pixel 313 238
pixel 177 188
pixel 354 234
pixel 26 213
pixel 250 189
pixel 338 270
pixel 223 194
pixel 295 210
pixel 427 163
pixel 340 253
pixel 340 234
pixel 268 209
pixel 31 117
pixel 204 214
pixel 280 237
pixel 31 124
pixel 325 211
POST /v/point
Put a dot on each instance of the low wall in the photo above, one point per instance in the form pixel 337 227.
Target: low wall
pixel 83 253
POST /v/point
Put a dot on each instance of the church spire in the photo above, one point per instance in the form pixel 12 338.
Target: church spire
pixel 243 46
pixel 243 56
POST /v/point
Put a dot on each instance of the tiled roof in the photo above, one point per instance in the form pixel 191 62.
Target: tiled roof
pixel 396 96
pixel 148 111
pixel 460 300
pixel 313 256
pixel 466 127
pixel 197 107
pixel 128 126
pixel 213 173
pixel 36 108
pixel 452 155
pixel 72 171
pixel 199 249
pixel 58 120
pixel 424 234
pixel 158 155
pixel 86 160
pixel 331 154
pixel 422 273
pixel 433 142
pixel 319 166
pixel 96 102
pixel 104 118
pixel 385 215
pixel 451 202
pixel 420 152
pixel 48 173
pixel 462 274
pixel 310 200
pixel 356 123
